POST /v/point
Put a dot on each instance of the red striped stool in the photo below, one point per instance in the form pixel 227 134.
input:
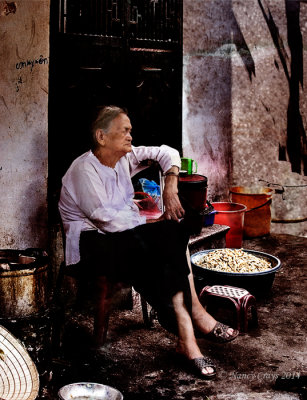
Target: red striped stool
pixel 240 298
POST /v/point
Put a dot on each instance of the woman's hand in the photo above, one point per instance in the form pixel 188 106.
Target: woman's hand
pixel 173 207
pixel 152 220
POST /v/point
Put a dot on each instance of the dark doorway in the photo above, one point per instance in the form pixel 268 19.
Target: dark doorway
pixel 125 52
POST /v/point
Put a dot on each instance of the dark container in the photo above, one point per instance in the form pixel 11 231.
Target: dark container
pixel 193 191
pixel 259 283
pixel 193 196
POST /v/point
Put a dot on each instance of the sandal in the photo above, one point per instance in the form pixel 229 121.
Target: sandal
pixel 198 364
pixel 219 334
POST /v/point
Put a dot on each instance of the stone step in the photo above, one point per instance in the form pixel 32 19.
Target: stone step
pixel 210 237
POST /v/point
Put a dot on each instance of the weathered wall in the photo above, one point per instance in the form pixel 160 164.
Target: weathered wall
pixel 207 90
pixel 263 131
pixel 236 97
pixel 24 54
pixel 235 103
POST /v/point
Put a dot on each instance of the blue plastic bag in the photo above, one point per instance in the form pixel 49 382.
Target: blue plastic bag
pixel 150 187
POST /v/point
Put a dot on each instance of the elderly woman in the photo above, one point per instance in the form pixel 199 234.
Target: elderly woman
pixel 107 236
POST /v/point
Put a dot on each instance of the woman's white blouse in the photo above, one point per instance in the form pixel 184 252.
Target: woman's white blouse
pixel 94 196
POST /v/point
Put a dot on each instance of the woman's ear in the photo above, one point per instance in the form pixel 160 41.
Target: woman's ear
pixel 100 137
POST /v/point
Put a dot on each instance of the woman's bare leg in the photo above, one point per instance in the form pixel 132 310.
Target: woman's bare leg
pixel 186 344
pixel 201 318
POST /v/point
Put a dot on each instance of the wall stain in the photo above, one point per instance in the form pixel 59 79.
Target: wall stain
pixel 7 8
pixel 45 90
pixel 208 147
pixel 4 102
pixel 31 40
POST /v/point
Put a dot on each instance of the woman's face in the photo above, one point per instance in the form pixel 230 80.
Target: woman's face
pixel 118 139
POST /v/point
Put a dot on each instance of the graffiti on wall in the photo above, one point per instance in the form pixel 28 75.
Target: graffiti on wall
pixel 29 64
pixel 32 62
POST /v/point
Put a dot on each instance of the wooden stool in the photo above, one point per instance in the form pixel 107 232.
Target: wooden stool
pixel 103 291
pixel 240 298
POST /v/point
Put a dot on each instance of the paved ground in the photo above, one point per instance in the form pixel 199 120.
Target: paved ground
pixel 265 363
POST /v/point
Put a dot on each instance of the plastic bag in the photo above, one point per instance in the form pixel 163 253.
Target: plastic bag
pixel 145 202
pixel 147 205
pixel 151 187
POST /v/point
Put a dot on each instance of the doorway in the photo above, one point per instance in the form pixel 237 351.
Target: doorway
pixel 125 52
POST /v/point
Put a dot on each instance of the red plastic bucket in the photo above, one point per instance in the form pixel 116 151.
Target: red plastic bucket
pixel 232 215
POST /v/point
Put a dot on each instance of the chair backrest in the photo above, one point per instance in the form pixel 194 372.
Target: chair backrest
pixel 67 270
pixel 63 239
pixel 162 184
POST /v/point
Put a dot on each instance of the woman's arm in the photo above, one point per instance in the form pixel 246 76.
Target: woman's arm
pixel 164 155
pixel 173 207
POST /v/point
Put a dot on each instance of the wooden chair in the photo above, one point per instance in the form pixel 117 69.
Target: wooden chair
pixel 103 301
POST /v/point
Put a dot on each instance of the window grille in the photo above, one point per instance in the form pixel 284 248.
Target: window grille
pixel 144 20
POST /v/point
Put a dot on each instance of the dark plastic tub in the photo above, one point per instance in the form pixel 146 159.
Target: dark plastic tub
pixel 192 190
pixel 258 284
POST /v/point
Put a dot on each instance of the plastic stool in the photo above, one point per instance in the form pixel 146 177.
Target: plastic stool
pixel 240 298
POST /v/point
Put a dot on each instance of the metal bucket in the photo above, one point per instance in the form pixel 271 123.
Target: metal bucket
pixel 23 287
pixel 89 391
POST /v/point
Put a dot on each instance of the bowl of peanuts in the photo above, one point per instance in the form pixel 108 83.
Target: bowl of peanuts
pixel 249 269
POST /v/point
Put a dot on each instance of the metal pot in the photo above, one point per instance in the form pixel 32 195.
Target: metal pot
pixel 89 391
pixel 24 286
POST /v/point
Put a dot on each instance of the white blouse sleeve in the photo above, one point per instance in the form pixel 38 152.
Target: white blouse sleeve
pixel 166 156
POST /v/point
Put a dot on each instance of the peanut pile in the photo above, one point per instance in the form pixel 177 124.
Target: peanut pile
pixel 232 260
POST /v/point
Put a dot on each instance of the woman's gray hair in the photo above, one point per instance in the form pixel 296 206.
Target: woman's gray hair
pixel 103 120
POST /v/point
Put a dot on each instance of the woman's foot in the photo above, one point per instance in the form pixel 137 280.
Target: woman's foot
pixel 201 363
pixel 210 328
pixel 191 352
pixel 221 333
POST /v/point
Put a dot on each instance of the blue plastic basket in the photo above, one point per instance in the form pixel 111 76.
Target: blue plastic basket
pixel 209 218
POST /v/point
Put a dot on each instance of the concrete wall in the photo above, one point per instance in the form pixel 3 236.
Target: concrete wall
pixel 262 125
pixel 207 90
pixel 24 54
pixel 236 99
pixel 235 103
